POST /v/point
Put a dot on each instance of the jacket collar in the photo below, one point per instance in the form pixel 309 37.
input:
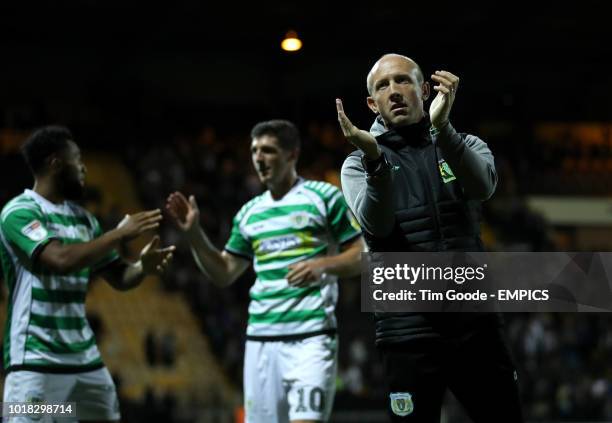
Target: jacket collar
pixel 417 134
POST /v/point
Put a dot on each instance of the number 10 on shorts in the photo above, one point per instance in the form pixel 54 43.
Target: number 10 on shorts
pixel 310 400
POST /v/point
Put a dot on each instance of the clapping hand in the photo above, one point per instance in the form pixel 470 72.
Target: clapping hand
pixel 440 108
pixel 361 139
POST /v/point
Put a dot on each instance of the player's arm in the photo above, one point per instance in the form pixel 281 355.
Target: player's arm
pixel 345 231
pixel 346 264
pixel 153 260
pixel 221 267
pixel 68 258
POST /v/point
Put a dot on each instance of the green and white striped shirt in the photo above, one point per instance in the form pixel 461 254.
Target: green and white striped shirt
pixel 46 327
pixel 311 220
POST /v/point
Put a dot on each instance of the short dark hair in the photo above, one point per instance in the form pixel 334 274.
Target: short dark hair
pixel 286 132
pixel 43 143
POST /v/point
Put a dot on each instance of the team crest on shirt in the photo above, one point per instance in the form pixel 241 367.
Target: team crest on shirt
pixel 401 403
pixel 300 220
pixel 445 171
pixel 34 231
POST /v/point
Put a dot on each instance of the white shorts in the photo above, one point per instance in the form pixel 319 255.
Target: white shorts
pixel 294 380
pixel 93 392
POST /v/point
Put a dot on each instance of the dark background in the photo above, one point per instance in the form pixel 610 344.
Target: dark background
pixel 134 69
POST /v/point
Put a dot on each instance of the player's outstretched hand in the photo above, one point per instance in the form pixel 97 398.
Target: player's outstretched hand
pixel 136 224
pixel 185 213
pixel 441 106
pixel 303 273
pixel 154 259
pixel 361 139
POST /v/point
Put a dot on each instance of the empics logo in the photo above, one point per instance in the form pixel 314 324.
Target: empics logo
pixel 34 231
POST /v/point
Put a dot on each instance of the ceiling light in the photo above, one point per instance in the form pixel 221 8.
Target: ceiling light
pixel 291 42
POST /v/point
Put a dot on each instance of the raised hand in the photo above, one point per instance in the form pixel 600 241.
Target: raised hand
pixel 155 259
pixel 185 213
pixel 441 106
pixel 361 139
pixel 136 224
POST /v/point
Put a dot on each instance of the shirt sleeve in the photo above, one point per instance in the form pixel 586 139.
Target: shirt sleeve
pixel 111 256
pixel 25 229
pixel 237 243
pixel 341 221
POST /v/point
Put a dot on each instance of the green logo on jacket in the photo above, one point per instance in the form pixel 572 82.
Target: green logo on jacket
pixel 445 172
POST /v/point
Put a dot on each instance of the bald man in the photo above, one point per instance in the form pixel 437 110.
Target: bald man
pixel 415 184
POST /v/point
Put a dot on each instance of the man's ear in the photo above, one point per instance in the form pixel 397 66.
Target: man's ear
pixel 54 163
pixel 426 89
pixel 372 105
